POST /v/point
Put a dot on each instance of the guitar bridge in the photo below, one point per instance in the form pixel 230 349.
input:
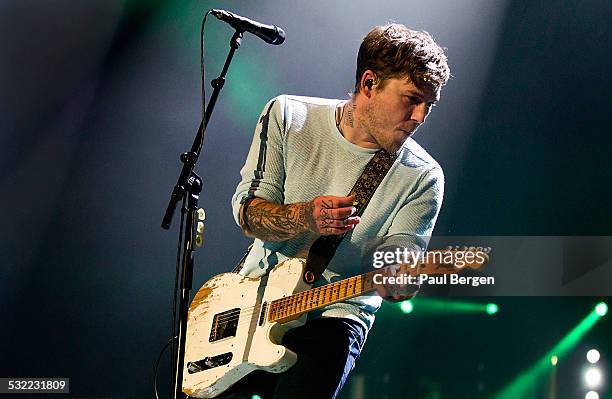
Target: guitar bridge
pixel 224 325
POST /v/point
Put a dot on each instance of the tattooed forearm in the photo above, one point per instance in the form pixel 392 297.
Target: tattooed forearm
pixel 324 215
pixel 273 222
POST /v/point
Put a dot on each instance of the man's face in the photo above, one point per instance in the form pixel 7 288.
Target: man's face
pixel 395 111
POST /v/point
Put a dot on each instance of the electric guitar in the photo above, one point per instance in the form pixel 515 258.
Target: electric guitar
pixel 235 323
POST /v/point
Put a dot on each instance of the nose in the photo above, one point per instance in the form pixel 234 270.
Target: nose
pixel 419 112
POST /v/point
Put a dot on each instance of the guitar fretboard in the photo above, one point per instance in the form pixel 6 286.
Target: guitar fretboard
pixel 321 296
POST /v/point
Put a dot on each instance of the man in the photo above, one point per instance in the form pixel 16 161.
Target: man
pixel 306 155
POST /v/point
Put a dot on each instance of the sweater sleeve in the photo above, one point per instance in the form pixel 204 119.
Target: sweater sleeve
pixel 414 223
pixel 263 174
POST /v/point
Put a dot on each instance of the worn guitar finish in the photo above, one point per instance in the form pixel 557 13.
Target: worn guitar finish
pixel 236 324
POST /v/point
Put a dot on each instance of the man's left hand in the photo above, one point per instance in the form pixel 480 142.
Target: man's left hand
pixel 395 292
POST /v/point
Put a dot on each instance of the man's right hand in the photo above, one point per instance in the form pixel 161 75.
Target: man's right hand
pixel 331 215
pixel 324 215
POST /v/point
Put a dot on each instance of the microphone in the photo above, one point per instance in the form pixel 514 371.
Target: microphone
pixel 269 33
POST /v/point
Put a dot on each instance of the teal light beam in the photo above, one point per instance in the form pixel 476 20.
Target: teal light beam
pixel 523 385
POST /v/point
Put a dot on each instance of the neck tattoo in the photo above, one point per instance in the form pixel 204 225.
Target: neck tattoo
pixel 348 121
pixel 349 113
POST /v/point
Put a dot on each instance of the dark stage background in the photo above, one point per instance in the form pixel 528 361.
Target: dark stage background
pixel 98 99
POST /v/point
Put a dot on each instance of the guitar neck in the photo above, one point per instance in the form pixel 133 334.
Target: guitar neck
pixel 293 306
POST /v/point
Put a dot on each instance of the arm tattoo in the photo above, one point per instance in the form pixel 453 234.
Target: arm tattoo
pixel 274 222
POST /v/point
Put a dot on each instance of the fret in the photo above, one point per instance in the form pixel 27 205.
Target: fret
pixel 351 286
pixel 304 306
pixel 272 314
pixel 292 304
pixel 300 302
pixel 297 304
pixel 284 307
pixel 306 295
pixel 335 293
pixel 309 299
pixel 370 281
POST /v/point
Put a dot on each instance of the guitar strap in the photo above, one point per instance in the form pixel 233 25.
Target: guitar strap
pixel 323 249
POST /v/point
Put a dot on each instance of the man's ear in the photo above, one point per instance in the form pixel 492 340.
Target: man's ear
pixel 367 82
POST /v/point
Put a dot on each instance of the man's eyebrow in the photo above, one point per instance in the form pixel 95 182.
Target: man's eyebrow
pixel 415 93
pixel 420 95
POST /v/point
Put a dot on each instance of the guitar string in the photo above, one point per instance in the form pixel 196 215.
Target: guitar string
pixel 318 291
pixel 248 320
pixel 342 289
pixel 285 301
pixel 244 312
pixel 337 287
pixel 324 290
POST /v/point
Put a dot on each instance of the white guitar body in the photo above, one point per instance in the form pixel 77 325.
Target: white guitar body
pixel 236 324
pixel 227 335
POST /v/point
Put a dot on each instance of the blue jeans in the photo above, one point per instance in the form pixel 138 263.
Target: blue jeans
pixel 327 349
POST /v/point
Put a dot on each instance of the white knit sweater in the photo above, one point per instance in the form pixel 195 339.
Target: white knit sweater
pixel 298 154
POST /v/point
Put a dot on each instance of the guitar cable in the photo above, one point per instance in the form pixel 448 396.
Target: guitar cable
pixel 157 365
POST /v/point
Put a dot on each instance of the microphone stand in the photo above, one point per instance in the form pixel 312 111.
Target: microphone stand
pixel 187 189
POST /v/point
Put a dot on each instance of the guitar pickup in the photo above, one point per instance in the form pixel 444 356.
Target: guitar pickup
pixel 262 315
pixel 224 325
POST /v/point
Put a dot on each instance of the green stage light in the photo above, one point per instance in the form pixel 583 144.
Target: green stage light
pixel 255 397
pixel 530 378
pixel 431 305
pixel 554 360
pixel 406 306
pixel 492 308
pixel 601 309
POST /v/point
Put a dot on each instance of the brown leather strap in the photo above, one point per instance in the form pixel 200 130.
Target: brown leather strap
pixel 324 248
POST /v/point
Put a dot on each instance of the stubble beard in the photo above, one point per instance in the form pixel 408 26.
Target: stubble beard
pixel 371 122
